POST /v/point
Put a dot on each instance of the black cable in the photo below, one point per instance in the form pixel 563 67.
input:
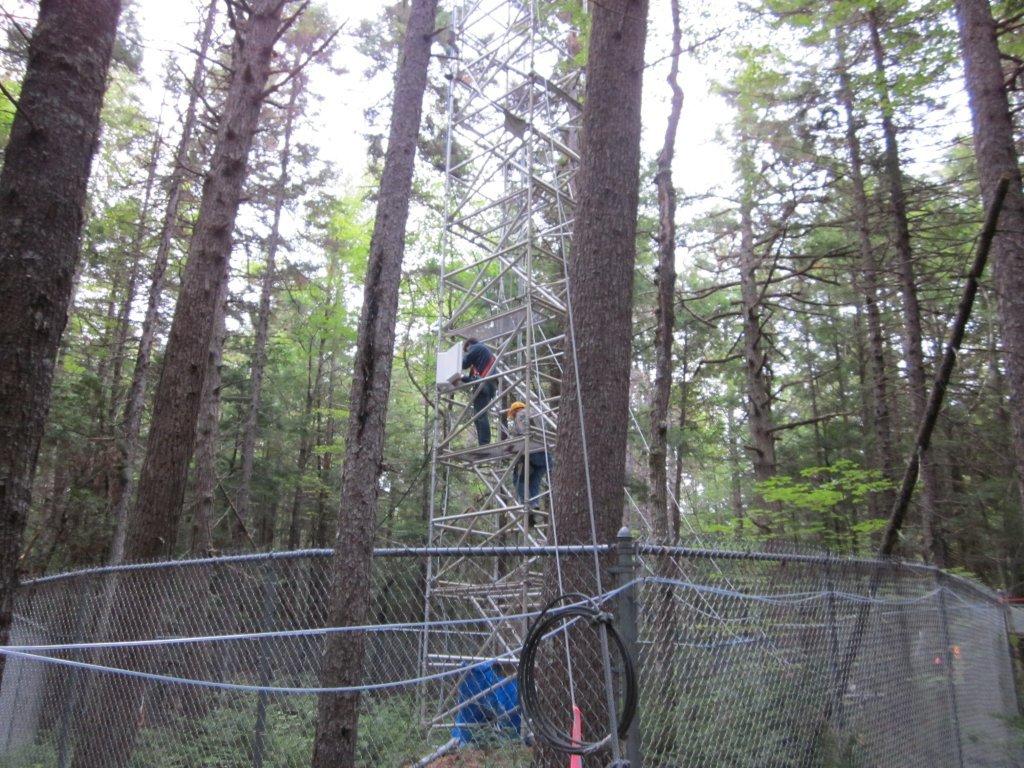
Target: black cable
pixel 584 608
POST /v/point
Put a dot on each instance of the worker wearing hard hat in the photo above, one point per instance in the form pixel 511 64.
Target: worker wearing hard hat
pixel 540 460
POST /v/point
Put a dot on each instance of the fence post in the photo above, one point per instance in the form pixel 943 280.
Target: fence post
pixel 13 712
pixel 266 625
pixel 947 658
pixel 833 645
pixel 626 570
pixel 1010 631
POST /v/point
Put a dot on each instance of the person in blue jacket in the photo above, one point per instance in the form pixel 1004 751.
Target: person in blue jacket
pixel 487 706
pixel 479 360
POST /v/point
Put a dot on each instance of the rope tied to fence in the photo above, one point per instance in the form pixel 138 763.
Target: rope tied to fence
pixel 582 607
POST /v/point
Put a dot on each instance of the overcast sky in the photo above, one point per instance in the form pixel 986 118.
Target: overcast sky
pixel 169 26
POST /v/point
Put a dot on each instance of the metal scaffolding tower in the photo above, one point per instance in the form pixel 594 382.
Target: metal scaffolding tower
pixel 514 111
pixel 513 117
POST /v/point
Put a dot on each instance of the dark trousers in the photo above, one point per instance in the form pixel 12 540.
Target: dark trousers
pixel 481 407
pixel 540 463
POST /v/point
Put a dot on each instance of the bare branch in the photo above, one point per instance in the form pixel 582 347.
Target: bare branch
pixel 805 422
pixel 294 71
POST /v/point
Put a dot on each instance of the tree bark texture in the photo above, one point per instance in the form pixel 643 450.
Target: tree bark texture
pixel 595 382
pixel 935 544
pixel 868 282
pixel 108 739
pixel 945 371
pixel 135 254
pixel 996 156
pixel 663 515
pixel 756 361
pixel 208 435
pixel 128 442
pixel 590 455
pixel 42 200
pixel 314 380
pixel 153 527
pixel 259 347
pixel 666 286
pixel 337 714
pixel 319 536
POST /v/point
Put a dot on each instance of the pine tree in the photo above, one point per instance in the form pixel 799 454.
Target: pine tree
pixel 152 527
pixel 337 715
pixel 996 154
pixel 42 198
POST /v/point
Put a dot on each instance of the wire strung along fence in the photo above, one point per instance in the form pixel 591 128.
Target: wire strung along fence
pixel 743 657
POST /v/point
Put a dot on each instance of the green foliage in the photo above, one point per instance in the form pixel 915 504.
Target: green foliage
pixel 570 23
pixel 387 736
pixel 225 738
pixel 813 502
pixel 821 489
pixel 35 755
pixel 7 111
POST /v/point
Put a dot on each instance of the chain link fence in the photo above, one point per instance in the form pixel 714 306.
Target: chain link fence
pixel 744 658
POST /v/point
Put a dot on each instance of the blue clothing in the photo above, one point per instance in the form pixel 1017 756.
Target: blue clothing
pixel 540 463
pixel 481 405
pixel 479 359
pixel 496 710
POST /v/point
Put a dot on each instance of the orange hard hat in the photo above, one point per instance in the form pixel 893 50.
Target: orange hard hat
pixel 515 408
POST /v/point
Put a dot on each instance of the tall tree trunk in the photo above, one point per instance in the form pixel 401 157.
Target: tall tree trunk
pixel 735 477
pixel 935 544
pixel 124 322
pixel 42 199
pixel 868 282
pixel 600 268
pixel 109 736
pixel 313 380
pixel 865 402
pixel 321 524
pixel 665 516
pixel 104 391
pixel 996 155
pixel 208 435
pixel 682 422
pixel 337 715
pixel 259 347
pixel 666 283
pixel 755 357
pixel 1013 522
pixel 153 527
pixel 128 444
pixel 590 456
pixel 110 384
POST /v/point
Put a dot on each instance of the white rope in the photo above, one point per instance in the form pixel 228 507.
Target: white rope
pixel 37 653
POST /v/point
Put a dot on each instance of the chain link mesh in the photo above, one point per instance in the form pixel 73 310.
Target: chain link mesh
pixel 745 659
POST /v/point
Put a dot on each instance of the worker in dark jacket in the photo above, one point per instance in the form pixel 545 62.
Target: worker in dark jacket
pixel 479 360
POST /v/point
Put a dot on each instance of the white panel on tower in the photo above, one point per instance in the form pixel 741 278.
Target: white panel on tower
pixel 449 363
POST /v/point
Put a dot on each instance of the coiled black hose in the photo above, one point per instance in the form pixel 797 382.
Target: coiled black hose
pixel 584 609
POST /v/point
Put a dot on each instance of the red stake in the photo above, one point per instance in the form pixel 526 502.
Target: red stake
pixel 575 761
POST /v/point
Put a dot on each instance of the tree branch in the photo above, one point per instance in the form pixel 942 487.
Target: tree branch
pixel 943 374
pixel 805 422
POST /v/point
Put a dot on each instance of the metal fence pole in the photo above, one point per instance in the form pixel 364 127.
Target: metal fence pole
pixel 833 640
pixel 626 570
pixel 947 657
pixel 1010 630
pixel 259 731
pixel 12 715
